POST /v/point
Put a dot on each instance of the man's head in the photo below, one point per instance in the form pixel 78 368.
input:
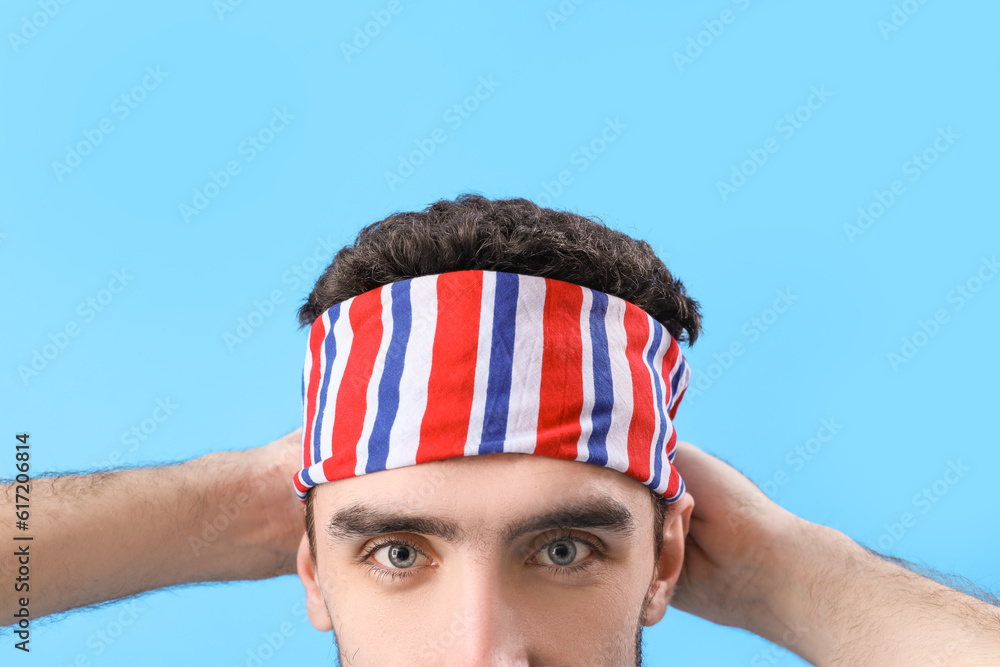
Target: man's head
pixel 428 561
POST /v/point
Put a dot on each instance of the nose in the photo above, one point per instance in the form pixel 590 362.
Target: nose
pixel 483 627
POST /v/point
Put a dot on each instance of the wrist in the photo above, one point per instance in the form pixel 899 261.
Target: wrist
pixel 204 541
pixel 808 566
pixel 243 531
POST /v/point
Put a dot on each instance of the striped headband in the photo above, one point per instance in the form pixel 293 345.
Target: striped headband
pixel 477 362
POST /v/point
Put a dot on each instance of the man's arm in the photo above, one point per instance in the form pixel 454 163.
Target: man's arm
pixel 104 536
pixel 955 581
pixel 833 602
pixel 810 588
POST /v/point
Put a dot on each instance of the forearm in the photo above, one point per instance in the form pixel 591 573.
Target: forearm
pixel 110 535
pixel 835 603
pixel 955 581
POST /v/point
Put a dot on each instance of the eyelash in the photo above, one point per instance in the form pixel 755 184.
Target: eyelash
pixel 381 573
pixel 570 570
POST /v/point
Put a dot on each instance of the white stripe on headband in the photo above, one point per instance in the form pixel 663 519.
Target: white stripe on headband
pixel 475 362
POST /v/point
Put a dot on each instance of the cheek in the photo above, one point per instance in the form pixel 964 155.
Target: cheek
pixel 594 626
pixel 604 606
pixel 346 592
pixel 390 626
pixel 387 620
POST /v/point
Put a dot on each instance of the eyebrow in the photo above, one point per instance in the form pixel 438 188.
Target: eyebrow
pixel 367 520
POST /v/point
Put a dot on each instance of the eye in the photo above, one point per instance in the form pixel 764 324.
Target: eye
pixel 564 551
pixel 398 555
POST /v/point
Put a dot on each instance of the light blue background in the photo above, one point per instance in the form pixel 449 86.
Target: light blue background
pixel 323 178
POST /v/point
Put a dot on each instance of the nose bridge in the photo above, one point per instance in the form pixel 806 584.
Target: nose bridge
pixel 482 624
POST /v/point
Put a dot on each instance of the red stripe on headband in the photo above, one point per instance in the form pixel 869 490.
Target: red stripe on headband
pixel 316 338
pixel 450 390
pixel 680 395
pixel 673 486
pixel 352 400
pixel 643 424
pixel 561 395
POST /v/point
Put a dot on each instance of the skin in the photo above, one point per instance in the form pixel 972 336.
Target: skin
pixel 473 598
pixel 811 589
pixel 161 517
pixel 748 563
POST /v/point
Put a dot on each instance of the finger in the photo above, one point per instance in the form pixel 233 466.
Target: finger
pixel 696 463
pixel 716 485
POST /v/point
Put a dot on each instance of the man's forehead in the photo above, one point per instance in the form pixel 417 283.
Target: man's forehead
pixel 500 478
pixel 367 519
pixel 501 495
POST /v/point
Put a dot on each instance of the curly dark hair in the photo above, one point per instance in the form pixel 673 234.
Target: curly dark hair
pixel 513 235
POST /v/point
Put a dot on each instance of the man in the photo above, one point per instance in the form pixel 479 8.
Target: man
pixel 449 552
